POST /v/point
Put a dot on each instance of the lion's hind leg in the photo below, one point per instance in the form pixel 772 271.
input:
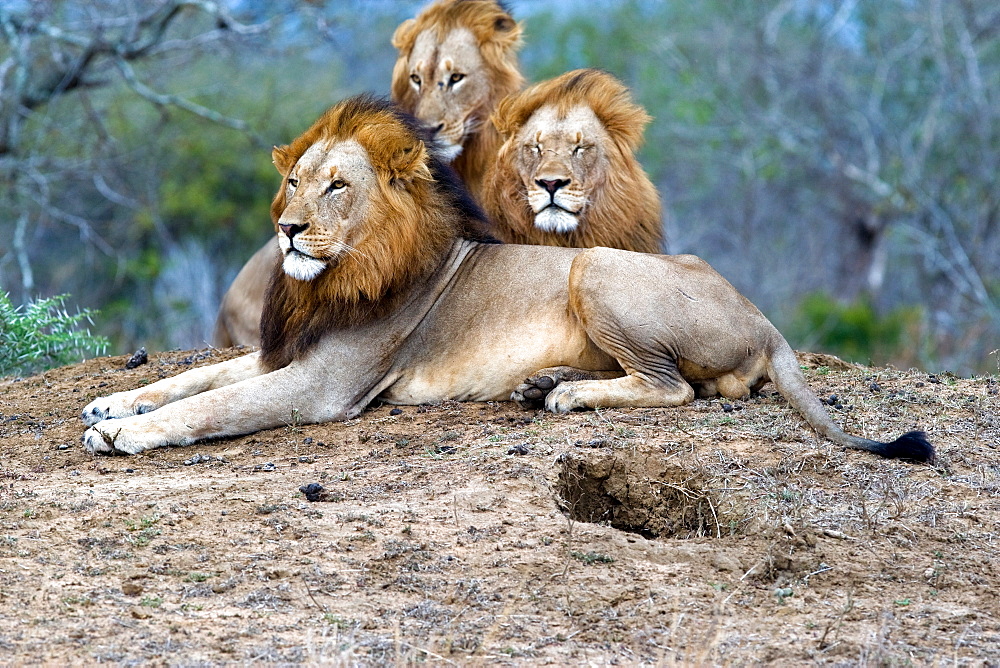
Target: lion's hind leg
pixel 623 392
pixel 532 392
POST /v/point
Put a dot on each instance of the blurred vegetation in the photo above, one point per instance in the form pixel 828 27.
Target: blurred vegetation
pixel 40 335
pixel 856 331
pixel 835 160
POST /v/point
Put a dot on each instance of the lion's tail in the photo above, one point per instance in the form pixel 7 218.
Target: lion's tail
pixel 785 373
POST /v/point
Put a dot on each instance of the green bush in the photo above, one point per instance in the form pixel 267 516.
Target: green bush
pixel 40 335
pixel 855 331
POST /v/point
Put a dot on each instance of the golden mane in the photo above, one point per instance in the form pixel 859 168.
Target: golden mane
pixel 419 209
pixel 625 212
pixel 499 38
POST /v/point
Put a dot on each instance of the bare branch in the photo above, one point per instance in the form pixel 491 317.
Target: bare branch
pixel 176 101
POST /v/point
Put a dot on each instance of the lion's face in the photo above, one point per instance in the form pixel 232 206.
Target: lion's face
pixel 328 193
pixel 450 86
pixel 561 160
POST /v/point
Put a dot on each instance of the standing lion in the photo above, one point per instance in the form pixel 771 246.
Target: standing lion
pixel 457 60
pixel 566 174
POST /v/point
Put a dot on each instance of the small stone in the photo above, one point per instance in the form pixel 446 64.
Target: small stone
pixel 396 411
pixel 446 449
pixel 141 613
pixel 306 460
pixel 727 408
pixel 875 387
pixel 832 400
pixel 519 449
pixel 63 446
pixel 929 573
pixel 597 443
pixel 307 440
pixel 74 472
pixel 223 587
pixel 313 491
pixel 131 588
pixel 129 470
pixel 268 466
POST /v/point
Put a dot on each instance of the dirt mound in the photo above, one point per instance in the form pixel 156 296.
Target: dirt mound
pixel 722 532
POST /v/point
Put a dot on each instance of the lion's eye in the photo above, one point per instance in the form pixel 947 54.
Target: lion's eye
pixel 578 150
pixel 338 184
pixel 455 78
pixel 537 148
pixel 415 79
pixel 293 182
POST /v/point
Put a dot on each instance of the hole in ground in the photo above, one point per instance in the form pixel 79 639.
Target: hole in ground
pixel 640 493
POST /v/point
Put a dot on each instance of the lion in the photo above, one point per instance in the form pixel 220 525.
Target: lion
pixel 457 60
pixel 566 174
pixel 387 290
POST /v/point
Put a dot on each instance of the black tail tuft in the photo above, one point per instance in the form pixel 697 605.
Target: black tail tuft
pixel 912 445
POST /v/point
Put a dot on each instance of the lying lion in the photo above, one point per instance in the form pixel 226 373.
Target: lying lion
pixel 566 174
pixel 385 291
pixel 457 60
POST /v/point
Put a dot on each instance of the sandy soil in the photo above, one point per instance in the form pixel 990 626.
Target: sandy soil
pixel 484 534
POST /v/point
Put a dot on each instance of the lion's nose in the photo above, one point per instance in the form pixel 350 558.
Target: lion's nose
pixel 290 230
pixel 552 185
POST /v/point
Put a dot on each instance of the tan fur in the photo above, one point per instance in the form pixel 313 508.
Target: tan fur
pixel 397 301
pixel 490 74
pixel 548 134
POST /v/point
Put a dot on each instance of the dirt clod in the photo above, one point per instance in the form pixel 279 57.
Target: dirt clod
pixel 138 358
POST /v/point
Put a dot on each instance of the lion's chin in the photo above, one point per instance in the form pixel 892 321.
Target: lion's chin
pixel 448 152
pixel 554 219
pixel 302 267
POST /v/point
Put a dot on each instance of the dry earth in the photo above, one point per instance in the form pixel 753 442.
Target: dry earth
pixel 482 534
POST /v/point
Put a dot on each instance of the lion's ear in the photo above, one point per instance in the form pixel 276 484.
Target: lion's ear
pixel 505 116
pixel 402 39
pixel 506 31
pixel 282 159
pixel 396 152
pixel 409 162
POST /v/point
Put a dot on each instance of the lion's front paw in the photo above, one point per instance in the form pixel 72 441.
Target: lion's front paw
pixel 531 393
pixel 563 398
pixel 118 405
pixel 110 437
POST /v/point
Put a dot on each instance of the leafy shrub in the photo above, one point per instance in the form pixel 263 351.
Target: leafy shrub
pixel 855 331
pixel 40 335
